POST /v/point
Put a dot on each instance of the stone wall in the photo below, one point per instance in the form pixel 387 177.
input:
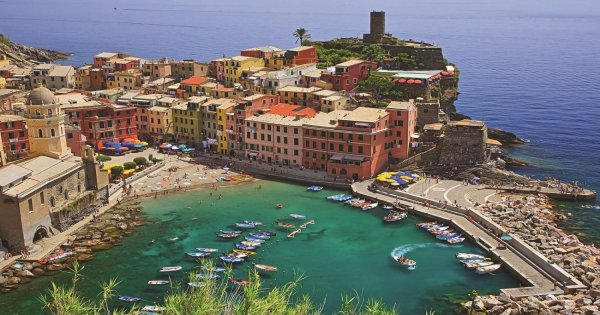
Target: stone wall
pixel 67 190
pixel 463 145
pixel 74 211
pixel 431 57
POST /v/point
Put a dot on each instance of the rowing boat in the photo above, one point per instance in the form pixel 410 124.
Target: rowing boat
pixel 158 282
pixel 487 269
pixel 369 206
pixel 153 308
pixel 196 284
pixel 285 225
pixel 170 269
pixel 455 240
pixel 213 269
pixel 243 252
pixel 473 265
pixel 230 259
pixel 254 239
pixel 265 267
pixel 207 250
pixel 129 298
pixel 198 255
pixel 468 256
pixel 298 216
pixel 259 236
pixel 231 235
pixel 267 233
pixel 207 276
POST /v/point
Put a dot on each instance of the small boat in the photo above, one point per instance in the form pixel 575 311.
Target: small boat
pixel 230 259
pixel 245 225
pixel 259 235
pixel 198 255
pixel 213 269
pixel 230 235
pixel 170 269
pixel 239 252
pixel 370 206
pixel 469 256
pixel 223 179
pixel 267 233
pixel 278 206
pixel 411 264
pixel 446 236
pixel 298 216
pixel 351 201
pixel 255 223
pixel 395 216
pixel 438 228
pixel 265 267
pixel 473 260
pixel 339 198
pixel 230 232
pixel 487 269
pixel 196 284
pixel 359 203
pixel 251 243
pixel 158 282
pixel 129 298
pixel 174 239
pixel 240 281
pixel 473 265
pixel 314 188
pixel 245 247
pixel 285 225
pixel 438 232
pixel 207 276
pixel 207 250
pixel 423 224
pixel 455 240
pixel 153 308
pixel 254 239
pixel 387 207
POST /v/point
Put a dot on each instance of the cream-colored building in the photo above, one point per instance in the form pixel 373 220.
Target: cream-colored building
pixel 60 77
pixel 128 80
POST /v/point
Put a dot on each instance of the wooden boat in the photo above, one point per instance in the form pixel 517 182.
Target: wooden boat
pixel 198 255
pixel 255 223
pixel 230 232
pixel 469 256
pixel 231 235
pixel 438 228
pixel 298 216
pixel 285 225
pixel 369 206
pixel 153 308
pixel 278 206
pixel 129 298
pixel 359 203
pixel 265 267
pixel 473 265
pixel 240 281
pixel 411 264
pixel 455 240
pixel 207 276
pixel 254 239
pixel 259 236
pixel 339 198
pixel 422 224
pixel 267 233
pixel 244 252
pixel 250 243
pixel 170 269
pixel 213 269
pixel 438 232
pixel 245 225
pixel 487 269
pixel 158 282
pixel 196 284
pixel 207 250
pixel 395 216
pixel 237 254
pixel 231 260
pixel 245 247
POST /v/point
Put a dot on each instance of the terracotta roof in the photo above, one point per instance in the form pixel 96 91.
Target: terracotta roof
pixel 301 48
pixel 292 110
pixel 195 80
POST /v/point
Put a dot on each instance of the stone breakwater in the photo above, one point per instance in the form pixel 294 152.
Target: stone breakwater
pixel 533 219
pixel 104 232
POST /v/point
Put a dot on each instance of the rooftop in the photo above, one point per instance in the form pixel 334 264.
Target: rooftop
pixel 350 63
pixel 279 119
pixel 301 48
pixel 195 80
pixel 364 114
pixel 467 123
pixel 168 99
pixel 7 118
pixel 314 73
pixel 433 127
pixel 44 66
pixel 240 58
pixel 292 88
pixel 75 100
pixel 106 55
pixel 325 93
pixel 158 109
pixel 264 49
pixel 400 105
pixel 291 110
pixel 253 97
pixel 412 74
pixel 61 71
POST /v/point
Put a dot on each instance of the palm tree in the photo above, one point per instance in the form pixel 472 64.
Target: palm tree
pixel 301 35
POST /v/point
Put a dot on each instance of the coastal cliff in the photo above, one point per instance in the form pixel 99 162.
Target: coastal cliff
pixel 25 56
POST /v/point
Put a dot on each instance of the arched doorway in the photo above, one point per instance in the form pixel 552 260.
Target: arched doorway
pixel 40 233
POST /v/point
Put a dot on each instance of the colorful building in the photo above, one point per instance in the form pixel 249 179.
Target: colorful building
pixel 224 109
pixel 348 74
pixel 246 107
pixel 103 58
pixel 14 139
pixel 217 69
pixel 187 121
pixel 192 86
pixel 188 68
pixel 154 124
pixel 301 55
pixel 128 80
pixel 234 66
pixel 76 141
pixel 403 117
pixel 157 69
pixel 297 95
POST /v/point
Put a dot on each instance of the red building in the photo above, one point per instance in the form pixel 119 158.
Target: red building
pixel 301 56
pixel 75 140
pixel 348 74
pixel 402 124
pixel 13 136
pixel 97 79
pixel 348 144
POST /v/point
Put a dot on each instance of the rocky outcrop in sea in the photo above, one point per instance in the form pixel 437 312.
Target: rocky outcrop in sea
pixel 25 56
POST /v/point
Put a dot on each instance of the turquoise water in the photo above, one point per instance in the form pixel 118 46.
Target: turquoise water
pixel 347 250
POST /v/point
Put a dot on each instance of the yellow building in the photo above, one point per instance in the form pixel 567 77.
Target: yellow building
pixel 128 80
pixel 234 67
pixel 187 121
pixel 2 82
pixel 46 124
pixel 225 120
pixel 297 95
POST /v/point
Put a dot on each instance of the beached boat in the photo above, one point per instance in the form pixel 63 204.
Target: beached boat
pixel 245 247
pixel 240 254
pixel 487 269
pixel 267 233
pixel 240 281
pixel 245 225
pixel 153 308
pixel 196 284
pixel 265 267
pixel 223 179
pixel 411 264
pixel 314 188
pixel 207 276
pixel 469 256
pixel 229 259
pixel 285 225
pixel 170 269
pixel 259 235
pixel 213 269
pixel 158 282
pixel 473 265
pixel 207 250
pixel 230 235
pixel 243 252
pixel 297 216
pixel 455 240
pixel 198 255
pixel 446 236
pixel 369 206
pixel 359 203
pixel 395 216
pixel 129 298
pixel 254 239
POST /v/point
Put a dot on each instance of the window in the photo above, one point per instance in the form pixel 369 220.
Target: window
pixel 40 135
pixel 296 141
pixel 350 148
pixel 360 137
pixel 42 199
pixel 52 132
pixel 30 202
pixel 331 147
pixel 341 148
pixel 322 145
pixel 296 152
pixel 295 131
pixel 11 135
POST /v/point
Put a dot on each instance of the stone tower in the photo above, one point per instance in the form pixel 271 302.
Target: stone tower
pixel 377 32
pixel 46 124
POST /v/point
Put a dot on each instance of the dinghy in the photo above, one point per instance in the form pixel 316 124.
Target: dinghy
pixel 255 223
pixel 267 233
pixel 153 308
pixel 170 269
pixel 473 265
pixel 260 236
pixel 411 264
pixel 455 240
pixel 254 239
pixel 265 267
pixel 487 269
pixel 369 206
pixel 388 207
pixel 314 188
pixel 207 250
pixel 250 243
pixel 395 216
pixel 244 225
pixel 213 269
pixel 207 276
pixel 245 247
pixel 469 256
pixel 129 298
pixel 230 232
pixel 240 282
pixel 285 225
pixel 158 282
pixel 196 284
pixel 231 235
pixel 198 255
pixel 244 252
pixel 298 216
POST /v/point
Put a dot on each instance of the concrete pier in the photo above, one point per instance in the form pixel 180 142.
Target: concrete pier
pixel 537 274
pixel 554 193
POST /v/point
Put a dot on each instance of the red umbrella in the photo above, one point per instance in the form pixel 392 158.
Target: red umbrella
pixel 418 81
pixel 402 81
pixel 124 149
pixel 410 81
pixel 444 72
pixel 450 72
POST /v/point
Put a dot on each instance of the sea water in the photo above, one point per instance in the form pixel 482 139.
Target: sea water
pixel 346 252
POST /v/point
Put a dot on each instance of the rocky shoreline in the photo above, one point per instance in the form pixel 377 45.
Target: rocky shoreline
pixel 533 219
pixel 25 56
pixel 104 232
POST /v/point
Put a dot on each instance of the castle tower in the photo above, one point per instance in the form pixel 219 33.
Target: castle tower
pixel 377 32
pixel 46 124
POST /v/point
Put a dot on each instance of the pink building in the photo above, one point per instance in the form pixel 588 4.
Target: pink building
pixel 75 140
pixel 402 124
pixel 348 74
pixel 217 69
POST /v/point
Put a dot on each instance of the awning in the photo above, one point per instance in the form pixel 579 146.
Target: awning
pixel 253 153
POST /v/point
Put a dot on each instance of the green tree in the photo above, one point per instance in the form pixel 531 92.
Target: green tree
pixel 103 158
pixel 373 53
pixel 140 160
pixel 376 86
pixel 116 170
pixel 129 165
pixel 301 35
